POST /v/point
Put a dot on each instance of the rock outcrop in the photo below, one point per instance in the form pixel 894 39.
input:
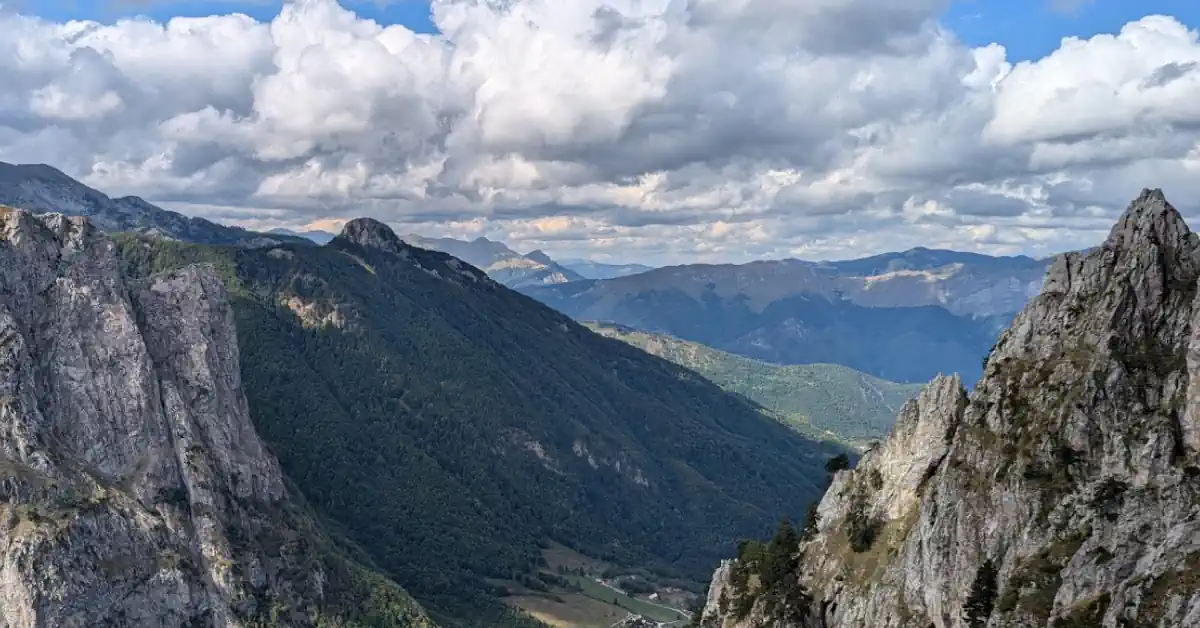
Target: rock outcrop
pixel 1063 492
pixel 134 490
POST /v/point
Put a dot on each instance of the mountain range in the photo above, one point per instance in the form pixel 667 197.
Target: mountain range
pixel 900 316
pixel 1063 492
pixel 500 262
pixel 316 235
pixel 597 270
pixel 503 264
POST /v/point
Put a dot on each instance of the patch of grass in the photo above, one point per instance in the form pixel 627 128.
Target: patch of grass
pixel 1085 615
pixel 1184 580
pixel 574 611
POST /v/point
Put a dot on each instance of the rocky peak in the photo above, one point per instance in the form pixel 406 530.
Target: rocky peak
pixel 1065 491
pixel 371 234
pixel 1150 219
pixel 1150 247
pixel 539 256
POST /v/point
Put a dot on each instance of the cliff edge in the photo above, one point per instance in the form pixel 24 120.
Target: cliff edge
pixel 134 490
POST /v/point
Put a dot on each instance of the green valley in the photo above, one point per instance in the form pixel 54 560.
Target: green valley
pixel 451 429
pixel 826 401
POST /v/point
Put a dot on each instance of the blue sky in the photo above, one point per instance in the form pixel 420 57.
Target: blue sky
pixel 1027 28
pixel 1030 29
pixel 412 13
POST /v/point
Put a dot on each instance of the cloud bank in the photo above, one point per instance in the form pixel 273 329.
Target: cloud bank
pixel 648 130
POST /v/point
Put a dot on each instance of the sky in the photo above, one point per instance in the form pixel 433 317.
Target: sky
pixel 655 131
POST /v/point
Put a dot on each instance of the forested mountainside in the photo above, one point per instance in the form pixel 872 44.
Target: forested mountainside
pixel 134 490
pixel 41 188
pixel 826 401
pixel 1063 492
pixel 449 426
pixel 900 316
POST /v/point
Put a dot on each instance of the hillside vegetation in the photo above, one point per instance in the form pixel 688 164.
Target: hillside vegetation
pixel 451 427
pixel 821 400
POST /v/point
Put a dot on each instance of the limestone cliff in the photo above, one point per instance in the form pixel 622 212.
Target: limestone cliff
pixel 1063 492
pixel 134 490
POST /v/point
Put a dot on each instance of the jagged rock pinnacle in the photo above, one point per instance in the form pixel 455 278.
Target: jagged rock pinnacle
pixel 372 234
pixel 1150 219
pixel 1150 245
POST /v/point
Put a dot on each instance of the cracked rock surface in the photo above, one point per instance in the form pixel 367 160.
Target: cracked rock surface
pixel 134 490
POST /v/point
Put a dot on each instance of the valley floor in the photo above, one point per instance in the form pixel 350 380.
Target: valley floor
pixel 587 599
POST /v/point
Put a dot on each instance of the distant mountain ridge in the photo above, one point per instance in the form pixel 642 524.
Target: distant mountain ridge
pixel 901 316
pixel 316 235
pixel 597 270
pixel 500 262
pixel 44 189
pixel 826 401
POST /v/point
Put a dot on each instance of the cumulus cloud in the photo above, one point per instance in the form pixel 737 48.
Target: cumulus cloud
pixel 655 130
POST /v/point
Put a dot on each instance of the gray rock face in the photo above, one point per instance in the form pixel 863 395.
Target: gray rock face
pixel 133 488
pixel 372 234
pixel 1065 491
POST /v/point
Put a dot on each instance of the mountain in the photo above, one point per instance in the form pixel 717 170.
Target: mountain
pixel 1064 491
pixel 134 489
pixel 902 316
pixel 453 428
pixel 821 400
pixel 500 262
pixel 40 188
pixel 318 236
pixel 596 270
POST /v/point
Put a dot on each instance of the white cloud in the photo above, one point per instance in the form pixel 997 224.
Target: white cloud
pixel 661 130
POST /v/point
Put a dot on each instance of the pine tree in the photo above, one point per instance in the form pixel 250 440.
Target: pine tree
pixel 780 559
pixel 837 463
pixel 982 598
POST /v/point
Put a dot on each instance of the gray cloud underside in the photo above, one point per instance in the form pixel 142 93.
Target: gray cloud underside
pixel 658 131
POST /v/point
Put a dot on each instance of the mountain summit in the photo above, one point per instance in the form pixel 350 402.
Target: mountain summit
pixel 1065 491
pixel 372 234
